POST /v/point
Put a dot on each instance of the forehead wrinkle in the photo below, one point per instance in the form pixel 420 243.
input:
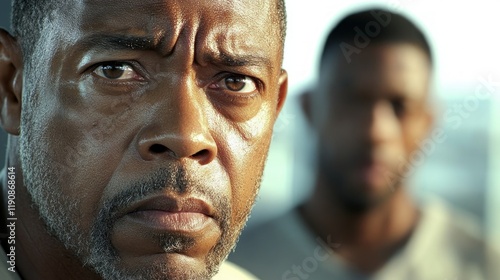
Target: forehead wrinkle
pixel 158 20
pixel 233 48
pixel 118 41
pixel 239 40
pixel 164 21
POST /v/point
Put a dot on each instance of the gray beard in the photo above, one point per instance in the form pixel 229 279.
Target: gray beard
pixel 60 213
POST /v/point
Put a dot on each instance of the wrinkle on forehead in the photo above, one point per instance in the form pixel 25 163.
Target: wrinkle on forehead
pixel 221 41
pixel 244 32
pixel 138 18
pixel 235 27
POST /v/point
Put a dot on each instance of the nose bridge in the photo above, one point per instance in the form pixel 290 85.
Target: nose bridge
pixel 383 122
pixel 187 110
pixel 180 125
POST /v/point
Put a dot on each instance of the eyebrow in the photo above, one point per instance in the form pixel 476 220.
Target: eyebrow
pixel 119 42
pixel 230 60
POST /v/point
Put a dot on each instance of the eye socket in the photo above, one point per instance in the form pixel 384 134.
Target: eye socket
pixel 236 83
pixel 117 71
pixel 398 106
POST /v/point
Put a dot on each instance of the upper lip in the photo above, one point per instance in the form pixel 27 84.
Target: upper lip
pixel 173 204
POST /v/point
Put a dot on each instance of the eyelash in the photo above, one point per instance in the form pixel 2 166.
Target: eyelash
pixel 136 67
pixel 222 76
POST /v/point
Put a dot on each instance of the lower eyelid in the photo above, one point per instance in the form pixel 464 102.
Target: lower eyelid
pixel 101 83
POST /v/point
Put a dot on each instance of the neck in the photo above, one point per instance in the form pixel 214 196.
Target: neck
pixel 367 239
pixel 38 255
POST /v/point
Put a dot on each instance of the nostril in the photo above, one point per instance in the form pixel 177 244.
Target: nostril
pixel 201 154
pixel 158 149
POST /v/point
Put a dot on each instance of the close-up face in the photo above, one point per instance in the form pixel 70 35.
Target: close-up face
pixel 371 115
pixel 145 128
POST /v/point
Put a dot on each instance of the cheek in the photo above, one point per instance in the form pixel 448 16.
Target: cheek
pixel 82 153
pixel 415 131
pixel 336 134
pixel 243 148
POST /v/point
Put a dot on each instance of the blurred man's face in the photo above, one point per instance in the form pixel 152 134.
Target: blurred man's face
pixel 148 124
pixel 371 114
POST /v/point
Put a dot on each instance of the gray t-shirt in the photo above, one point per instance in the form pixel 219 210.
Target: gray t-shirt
pixel 445 246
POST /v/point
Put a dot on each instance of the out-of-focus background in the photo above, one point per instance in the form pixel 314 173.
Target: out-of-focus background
pixel 464 170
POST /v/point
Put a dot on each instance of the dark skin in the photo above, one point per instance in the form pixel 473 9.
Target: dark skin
pixel 370 115
pixel 129 88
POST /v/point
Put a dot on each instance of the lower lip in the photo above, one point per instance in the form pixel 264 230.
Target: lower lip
pixel 187 222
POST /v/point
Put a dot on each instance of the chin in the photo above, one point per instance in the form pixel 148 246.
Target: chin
pixel 165 266
pixel 169 266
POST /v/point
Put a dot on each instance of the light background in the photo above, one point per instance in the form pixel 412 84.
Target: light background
pixel 463 35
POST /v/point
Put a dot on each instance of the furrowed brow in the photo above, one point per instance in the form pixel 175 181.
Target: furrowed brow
pixel 119 42
pixel 230 60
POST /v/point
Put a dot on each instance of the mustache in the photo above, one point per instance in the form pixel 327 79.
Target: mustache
pixel 174 179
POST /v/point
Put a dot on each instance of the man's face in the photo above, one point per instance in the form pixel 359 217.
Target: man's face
pixel 145 133
pixel 371 114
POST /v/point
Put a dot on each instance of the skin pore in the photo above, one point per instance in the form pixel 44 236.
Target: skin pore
pixel 370 116
pixel 130 110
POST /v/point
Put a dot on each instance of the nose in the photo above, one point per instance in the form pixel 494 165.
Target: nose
pixel 384 124
pixel 180 127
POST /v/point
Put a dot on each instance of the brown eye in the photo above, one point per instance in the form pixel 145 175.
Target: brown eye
pixel 236 83
pixel 116 71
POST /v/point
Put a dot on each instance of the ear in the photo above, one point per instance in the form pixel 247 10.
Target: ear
pixel 283 90
pixel 11 83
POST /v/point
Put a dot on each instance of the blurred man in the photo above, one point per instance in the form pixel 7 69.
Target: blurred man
pixel 371 110
pixel 138 134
